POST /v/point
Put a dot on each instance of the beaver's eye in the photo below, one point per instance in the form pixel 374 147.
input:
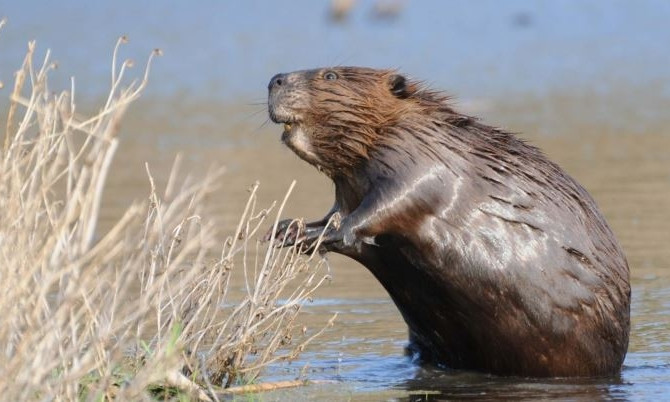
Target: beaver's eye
pixel 330 76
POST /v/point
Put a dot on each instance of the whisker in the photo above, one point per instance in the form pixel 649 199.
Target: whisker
pixel 264 124
pixel 255 113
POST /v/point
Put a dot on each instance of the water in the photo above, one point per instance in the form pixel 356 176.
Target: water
pixel 587 81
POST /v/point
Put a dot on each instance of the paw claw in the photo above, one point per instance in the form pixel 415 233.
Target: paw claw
pixel 288 232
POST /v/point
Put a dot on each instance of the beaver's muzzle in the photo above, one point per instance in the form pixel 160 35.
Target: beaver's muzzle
pixel 277 90
pixel 284 98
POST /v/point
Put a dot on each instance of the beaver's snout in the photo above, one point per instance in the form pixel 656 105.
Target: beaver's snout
pixel 285 98
pixel 276 93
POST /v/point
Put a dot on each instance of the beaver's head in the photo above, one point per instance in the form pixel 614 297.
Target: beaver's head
pixel 334 117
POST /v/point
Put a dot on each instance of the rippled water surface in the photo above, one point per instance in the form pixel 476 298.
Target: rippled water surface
pixel 587 81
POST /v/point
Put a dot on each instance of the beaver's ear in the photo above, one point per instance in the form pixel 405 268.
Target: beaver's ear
pixel 398 86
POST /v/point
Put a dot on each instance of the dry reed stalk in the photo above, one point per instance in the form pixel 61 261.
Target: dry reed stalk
pixel 91 315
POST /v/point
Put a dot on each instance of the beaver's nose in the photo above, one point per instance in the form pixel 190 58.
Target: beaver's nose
pixel 277 81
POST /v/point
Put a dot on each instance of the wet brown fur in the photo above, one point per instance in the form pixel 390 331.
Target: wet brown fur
pixel 455 209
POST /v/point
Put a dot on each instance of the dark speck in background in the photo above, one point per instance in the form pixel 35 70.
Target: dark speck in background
pixel 522 20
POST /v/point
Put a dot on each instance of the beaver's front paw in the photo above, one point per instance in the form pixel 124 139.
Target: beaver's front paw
pixel 288 232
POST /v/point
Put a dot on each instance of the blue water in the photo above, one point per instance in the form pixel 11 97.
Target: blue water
pixel 375 368
pixel 229 49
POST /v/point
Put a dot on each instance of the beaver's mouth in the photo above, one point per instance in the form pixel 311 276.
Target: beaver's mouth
pixel 295 135
pixel 291 124
pixel 290 129
pixel 299 140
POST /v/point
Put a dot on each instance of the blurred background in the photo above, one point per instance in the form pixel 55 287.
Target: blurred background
pixel 588 81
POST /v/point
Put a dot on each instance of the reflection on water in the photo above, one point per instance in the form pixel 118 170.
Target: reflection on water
pixel 587 81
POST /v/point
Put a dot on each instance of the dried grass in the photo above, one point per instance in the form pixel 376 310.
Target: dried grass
pixel 144 306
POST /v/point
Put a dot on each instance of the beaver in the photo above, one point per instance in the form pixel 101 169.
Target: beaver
pixel 496 258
